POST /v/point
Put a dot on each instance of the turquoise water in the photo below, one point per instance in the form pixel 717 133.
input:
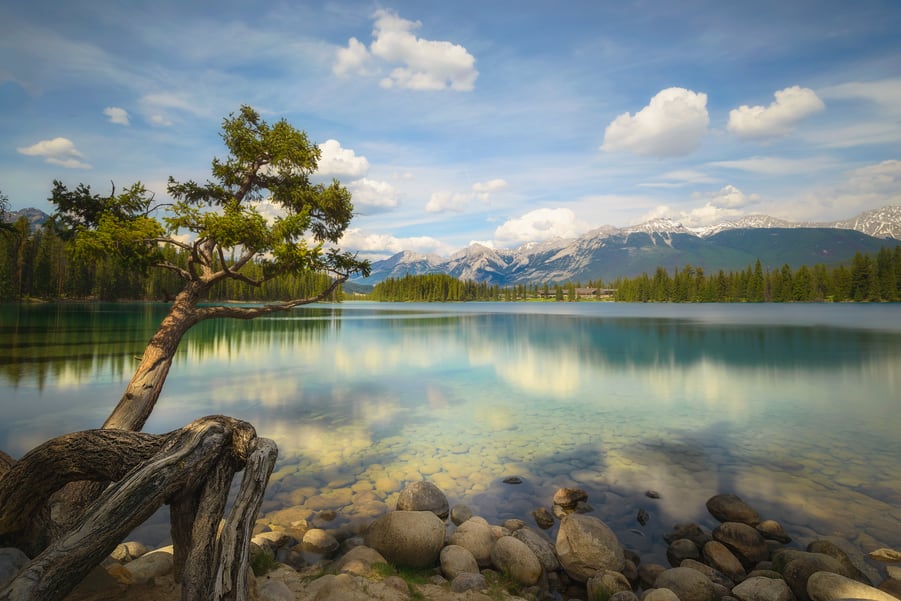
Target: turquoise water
pixel 793 407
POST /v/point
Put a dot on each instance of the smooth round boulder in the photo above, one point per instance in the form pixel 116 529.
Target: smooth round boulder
pixel 688 584
pixel 826 586
pixel 460 513
pixel 319 541
pixel 407 538
pixel 585 545
pixel 760 588
pixel 423 496
pixel 456 560
pixel 659 594
pixel 541 546
pixel 773 530
pixel 152 564
pixel 513 557
pixel 744 541
pixel 730 508
pixel 798 571
pixel 358 561
pixel 605 583
pixel 720 557
pixel 680 550
pixel 475 536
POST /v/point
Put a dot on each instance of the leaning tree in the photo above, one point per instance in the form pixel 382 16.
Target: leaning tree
pixel 70 501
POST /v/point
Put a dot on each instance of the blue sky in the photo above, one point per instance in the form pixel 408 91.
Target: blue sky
pixel 453 122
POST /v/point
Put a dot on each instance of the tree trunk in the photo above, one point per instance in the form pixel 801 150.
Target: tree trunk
pixel 145 386
pixel 190 468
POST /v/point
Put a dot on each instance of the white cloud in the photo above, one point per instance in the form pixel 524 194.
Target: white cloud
pixel 340 162
pixel 418 63
pixel 539 225
pixel 881 179
pixel 726 203
pixel 779 118
pixel 679 178
pixel 385 244
pixel 353 59
pixel 672 124
pixel 158 107
pixel 58 151
pixel 457 202
pixel 777 165
pixel 885 92
pixel 117 115
pixel 372 196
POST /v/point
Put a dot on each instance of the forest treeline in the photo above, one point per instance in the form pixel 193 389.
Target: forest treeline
pixel 42 263
pixel 868 279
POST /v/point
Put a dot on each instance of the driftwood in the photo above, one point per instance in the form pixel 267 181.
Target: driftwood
pixel 191 469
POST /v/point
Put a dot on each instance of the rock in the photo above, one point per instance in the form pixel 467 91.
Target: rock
pixel 849 556
pixel 605 583
pixel 730 508
pixel 773 530
pixel 408 538
pixel 648 573
pixel 660 594
pixel 468 582
pixel 688 530
pixel 541 546
pixel 713 574
pixel 886 555
pixel 340 587
pixel 319 541
pixel 688 584
pixel 763 589
pixel 273 540
pixel 825 586
pixel 358 561
pixel 513 557
pixel 623 596
pixel 543 518
pixel 127 551
pixel 798 571
pixel 568 498
pixel 721 558
pixel 456 560
pixel 652 494
pixel 11 561
pixel 275 590
pixel 512 480
pixel 460 513
pixel 475 536
pixel 585 545
pixel 891 586
pixel 743 540
pixel 643 516
pixel 423 496
pixel 680 550
pixel 150 565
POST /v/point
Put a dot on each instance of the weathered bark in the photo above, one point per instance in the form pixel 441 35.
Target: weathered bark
pixel 195 462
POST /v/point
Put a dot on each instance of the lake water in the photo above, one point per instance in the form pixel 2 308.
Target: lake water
pixel 793 407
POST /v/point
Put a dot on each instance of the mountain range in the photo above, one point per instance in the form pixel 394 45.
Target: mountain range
pixel 609 252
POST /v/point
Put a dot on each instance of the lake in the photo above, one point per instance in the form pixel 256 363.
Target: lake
pixel 793 407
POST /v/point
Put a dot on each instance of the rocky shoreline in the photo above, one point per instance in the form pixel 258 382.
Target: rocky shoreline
pixel 425 549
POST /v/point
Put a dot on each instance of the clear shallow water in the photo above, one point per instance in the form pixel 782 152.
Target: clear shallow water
pixel 793 407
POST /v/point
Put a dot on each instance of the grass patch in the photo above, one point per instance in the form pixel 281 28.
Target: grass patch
pixel 262 563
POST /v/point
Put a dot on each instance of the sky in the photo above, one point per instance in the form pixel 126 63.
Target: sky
pixel 459 122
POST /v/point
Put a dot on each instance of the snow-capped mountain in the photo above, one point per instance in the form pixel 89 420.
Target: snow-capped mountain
pixel 610 252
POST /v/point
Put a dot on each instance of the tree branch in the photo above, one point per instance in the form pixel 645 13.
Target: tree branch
pixel 252 312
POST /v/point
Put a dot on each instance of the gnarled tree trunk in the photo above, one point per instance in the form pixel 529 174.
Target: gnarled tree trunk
pixel 191 469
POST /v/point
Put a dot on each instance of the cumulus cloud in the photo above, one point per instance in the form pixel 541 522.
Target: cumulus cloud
pixel 726 203
pixel 672 124
pixel 457 202
pixel 117 115
pixel 779 118
pixel 418 63
pixel 58 151
pixel 539 225
pixel 386 245
pixel 353 59
pixel 372 196
pixel 336 161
